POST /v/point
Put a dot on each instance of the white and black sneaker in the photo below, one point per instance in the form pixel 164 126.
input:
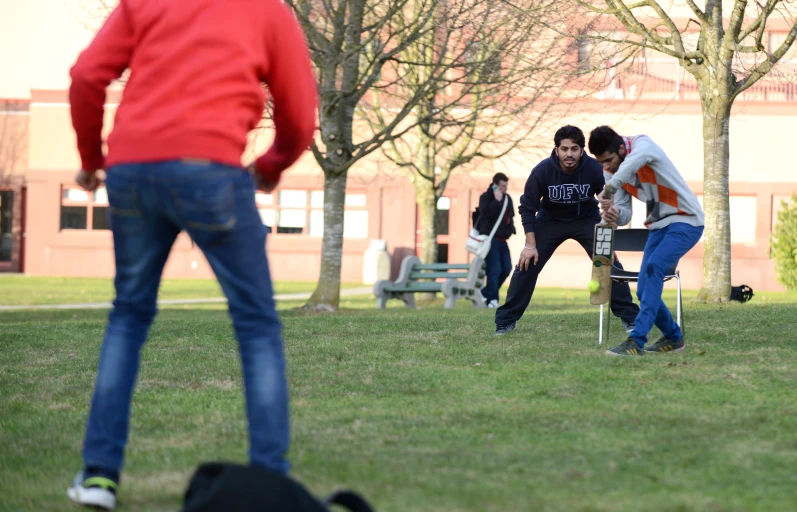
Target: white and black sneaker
pixel 493 304
pixel 628 326
pixel 94 491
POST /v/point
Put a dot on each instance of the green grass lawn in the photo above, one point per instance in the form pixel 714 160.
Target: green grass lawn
pixel 427 411
pixel 18 289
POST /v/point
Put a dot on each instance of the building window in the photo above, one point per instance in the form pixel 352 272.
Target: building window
pixel 441 215
pixel 355 218
pixel 6 224
pixel 292 214
pixel 265 203
pixel 442 253
pixel 100 218
pixel 81 209
pixel 301 212
pixel 74 217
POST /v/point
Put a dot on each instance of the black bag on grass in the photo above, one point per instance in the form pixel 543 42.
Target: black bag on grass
pixel 741 293
pixel 226 487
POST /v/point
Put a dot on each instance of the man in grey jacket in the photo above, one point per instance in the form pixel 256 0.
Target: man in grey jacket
pixel 636 166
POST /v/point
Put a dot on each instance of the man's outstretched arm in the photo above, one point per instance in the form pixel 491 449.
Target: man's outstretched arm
pixel 293 88
pixel 103 61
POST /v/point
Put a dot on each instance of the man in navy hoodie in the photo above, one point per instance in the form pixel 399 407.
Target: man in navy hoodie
pixel 558 204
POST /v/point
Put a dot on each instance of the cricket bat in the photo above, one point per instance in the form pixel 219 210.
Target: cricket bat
pixel 602 259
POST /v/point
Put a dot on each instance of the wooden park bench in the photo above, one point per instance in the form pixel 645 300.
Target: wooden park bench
pixel 453 280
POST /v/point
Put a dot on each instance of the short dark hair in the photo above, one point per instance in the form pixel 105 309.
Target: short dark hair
pixel 571 132
pixel 499 177
pixel 604 140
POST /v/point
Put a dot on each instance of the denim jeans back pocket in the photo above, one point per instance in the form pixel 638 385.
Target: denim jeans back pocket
pixel 207 204
pixel 124 210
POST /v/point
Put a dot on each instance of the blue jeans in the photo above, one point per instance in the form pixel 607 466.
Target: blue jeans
pixel 664 248
pixel 149 205
pixel 499 266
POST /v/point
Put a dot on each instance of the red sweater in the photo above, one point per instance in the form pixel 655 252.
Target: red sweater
pixel 195 83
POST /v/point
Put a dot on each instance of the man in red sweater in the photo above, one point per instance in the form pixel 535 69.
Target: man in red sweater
pixel 174 163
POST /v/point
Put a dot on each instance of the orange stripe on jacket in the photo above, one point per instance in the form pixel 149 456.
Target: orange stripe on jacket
pixel 631 190
pixel 646 175
pixel 668 196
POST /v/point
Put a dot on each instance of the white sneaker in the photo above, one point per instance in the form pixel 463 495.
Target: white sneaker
pixel 493 304
pixel 93 492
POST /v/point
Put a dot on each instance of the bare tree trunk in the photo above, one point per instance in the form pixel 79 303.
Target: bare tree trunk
pixel 426 200
pixel 327 293
pixel 716 204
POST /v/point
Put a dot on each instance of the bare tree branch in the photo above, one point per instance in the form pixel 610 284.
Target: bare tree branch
pixel 480 76
pixel 760 22
pixel 624 14
pixel 734 27
pixel 695 9
pixel 765 67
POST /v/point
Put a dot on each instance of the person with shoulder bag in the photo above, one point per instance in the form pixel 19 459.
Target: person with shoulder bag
pixel 493 226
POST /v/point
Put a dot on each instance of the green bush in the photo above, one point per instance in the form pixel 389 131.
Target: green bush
pixel 784 244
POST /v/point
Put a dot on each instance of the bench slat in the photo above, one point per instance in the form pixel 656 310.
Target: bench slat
pixel 415 287
pixel 441 266
pixel 438 275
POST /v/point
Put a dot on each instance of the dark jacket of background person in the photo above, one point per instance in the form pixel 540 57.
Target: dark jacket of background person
pixel 490 209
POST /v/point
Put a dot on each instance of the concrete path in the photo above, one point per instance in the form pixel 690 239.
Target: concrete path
pixel 350 292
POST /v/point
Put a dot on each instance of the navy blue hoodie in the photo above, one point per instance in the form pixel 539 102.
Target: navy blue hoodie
pixel 552 194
